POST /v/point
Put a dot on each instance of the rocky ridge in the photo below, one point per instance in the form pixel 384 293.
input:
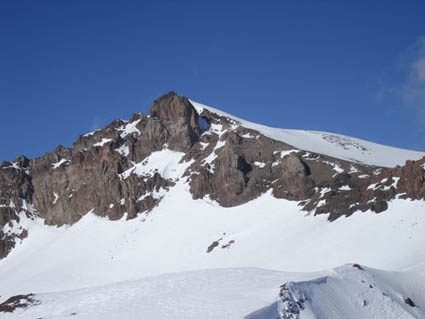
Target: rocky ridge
pixel 109 172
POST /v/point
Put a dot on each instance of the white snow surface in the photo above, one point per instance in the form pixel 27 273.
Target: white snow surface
pixel 56 197
pixel 350 293
pixel 182 229
pixel 123 150
pixel 164 162
pixel 209 294
pixel 335 145
pixel 102 142
pixel 240 293
pixel 129 128
pixel 147 264
pixel 60 163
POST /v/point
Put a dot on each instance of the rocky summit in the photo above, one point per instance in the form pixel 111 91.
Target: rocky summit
pixel 223 161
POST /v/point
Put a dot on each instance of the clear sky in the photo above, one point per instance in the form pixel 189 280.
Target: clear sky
pixel 350 67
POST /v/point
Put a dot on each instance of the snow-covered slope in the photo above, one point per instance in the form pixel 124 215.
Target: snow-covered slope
pixel 186 258
pixel 335 145
pixel 352 292
pixel 208 294
pixel 265 233
pixel 251 293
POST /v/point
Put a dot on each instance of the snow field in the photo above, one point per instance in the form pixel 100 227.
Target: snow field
pixel 266 233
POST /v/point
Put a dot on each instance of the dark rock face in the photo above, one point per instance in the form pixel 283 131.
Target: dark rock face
pixel 372 191
pixel 180 119
pixel 90 176
pixel 245 168
pixel 228 163
pixel 16 194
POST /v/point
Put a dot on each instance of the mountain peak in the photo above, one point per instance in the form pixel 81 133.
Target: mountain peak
pixel 127 167
pixel 174 107
pixel 181 118
pixel 165 179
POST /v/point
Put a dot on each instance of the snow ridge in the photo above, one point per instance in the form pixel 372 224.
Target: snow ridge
pixel 335 145
pixel 350 291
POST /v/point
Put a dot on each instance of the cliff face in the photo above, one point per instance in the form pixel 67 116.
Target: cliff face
pixel 225 162
pixel 16 190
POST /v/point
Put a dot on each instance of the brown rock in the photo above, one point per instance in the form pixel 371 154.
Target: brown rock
pixel 181 119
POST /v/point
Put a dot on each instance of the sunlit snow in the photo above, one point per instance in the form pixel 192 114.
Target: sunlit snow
pixel 102 142
pixel 335 145
pixel 60 163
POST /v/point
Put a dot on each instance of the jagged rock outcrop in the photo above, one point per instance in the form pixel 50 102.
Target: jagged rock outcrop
pixel 348 193
pixel 289 306
pixel 16 192
pixel 246 167
pixel 71 182
pixel 65 184
pixel 110 172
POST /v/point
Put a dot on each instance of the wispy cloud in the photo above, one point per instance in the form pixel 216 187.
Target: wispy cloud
pixel 96 123
pixel 402 89
pixel 384 91
pixel 406 83
pixel 413 88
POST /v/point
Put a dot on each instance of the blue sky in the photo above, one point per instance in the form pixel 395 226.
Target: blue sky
pixel 350 67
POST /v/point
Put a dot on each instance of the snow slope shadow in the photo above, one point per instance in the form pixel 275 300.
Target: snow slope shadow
pixel 269 312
